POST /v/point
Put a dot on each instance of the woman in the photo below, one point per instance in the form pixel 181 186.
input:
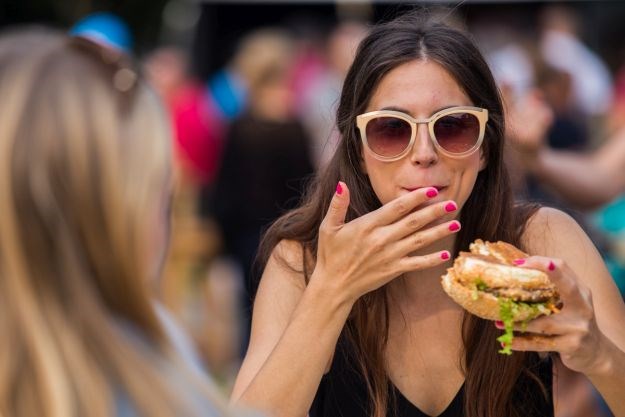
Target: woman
pixel 350 318
pixel 84 185
pixel 265 161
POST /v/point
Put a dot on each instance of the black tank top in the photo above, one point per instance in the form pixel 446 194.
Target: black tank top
pixel 343 393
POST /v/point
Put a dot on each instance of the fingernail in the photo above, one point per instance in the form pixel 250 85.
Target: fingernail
pixel 518 261
pixel 339 189
pixel 451 206
pixel 552 266
pixel 499 324
pixel 432 192
pixel 454 226
pixel 445 255
pixel 503 345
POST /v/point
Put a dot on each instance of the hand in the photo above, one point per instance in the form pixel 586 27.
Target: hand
pixel 527 123
pixel 573 332
pixel 366 253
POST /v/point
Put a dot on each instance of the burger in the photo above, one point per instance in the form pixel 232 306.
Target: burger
pixel 487 283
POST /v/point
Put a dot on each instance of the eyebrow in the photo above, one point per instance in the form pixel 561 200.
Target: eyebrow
pixel 402 110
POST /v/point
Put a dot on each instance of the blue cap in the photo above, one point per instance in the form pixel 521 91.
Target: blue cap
pixel 105 28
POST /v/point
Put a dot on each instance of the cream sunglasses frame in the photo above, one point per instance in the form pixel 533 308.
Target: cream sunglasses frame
pixel 363 119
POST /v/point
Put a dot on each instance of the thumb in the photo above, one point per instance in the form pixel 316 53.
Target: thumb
pixel 338 206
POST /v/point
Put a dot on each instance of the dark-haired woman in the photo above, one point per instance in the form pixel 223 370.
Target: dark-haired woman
pixel 350 318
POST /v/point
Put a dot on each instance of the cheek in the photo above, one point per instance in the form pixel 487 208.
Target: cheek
pixel 482 159
pixel 466 177
pixel 380 176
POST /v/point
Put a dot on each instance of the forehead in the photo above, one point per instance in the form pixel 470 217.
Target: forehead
pixel 420 88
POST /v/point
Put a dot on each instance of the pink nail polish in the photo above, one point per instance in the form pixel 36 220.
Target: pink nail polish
pixel 451 206
pixel 432 192
pixel 499 324
pixel 552 266
pixel 445 255
pixel 518 261
pixel 454 226
pixel 339 189
pixel 503 345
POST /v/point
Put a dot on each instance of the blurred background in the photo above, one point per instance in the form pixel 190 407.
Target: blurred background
pixel 251 89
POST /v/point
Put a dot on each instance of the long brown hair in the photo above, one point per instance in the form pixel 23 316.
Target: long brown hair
pixel 488 214
pixel 84 164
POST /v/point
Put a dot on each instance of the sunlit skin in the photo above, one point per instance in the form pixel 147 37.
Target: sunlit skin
pixel 420 89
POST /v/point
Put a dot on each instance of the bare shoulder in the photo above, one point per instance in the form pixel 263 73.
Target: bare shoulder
pixel 281 287
pixel 289 253
pixel 286 260
pixel 283 277
pixel 280 290
pixel 551 232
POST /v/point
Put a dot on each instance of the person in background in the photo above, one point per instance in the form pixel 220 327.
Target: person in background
pixel 85 183
pixel 105 29
pixel 206 302
pixel 266 157
pixel 562 49
pixel 320 97
pixel 587 179
pixel 198 130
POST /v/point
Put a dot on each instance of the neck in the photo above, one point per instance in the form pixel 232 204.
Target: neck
pixel 420 292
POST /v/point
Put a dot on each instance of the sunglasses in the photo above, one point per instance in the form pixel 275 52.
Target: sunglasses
pixel 389 135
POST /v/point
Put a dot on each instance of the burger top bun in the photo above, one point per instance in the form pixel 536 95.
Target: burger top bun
pixel 481 278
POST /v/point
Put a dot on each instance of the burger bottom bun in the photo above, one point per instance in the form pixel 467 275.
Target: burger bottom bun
pixel 480 303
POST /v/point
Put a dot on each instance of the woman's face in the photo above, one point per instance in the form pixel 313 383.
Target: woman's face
pixel 420 88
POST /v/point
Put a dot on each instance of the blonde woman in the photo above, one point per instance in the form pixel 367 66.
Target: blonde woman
pixel 84 177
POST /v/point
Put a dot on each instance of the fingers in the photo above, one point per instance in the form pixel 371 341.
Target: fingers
pixel 401 206
pixel 558 273
pixel 416 221
pixel 424 238
pixel 335 217
pixel 414 263
pixel 539 335
pixel 537 343
pixel 544 325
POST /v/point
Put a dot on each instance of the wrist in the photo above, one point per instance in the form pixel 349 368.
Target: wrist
pixel 604 364
pixel 329 292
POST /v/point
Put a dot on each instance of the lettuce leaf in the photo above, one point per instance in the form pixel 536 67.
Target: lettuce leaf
pixel 479 286
pixel 507 310
pixel 506 307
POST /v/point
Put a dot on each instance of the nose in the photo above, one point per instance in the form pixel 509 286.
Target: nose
pixel 423 152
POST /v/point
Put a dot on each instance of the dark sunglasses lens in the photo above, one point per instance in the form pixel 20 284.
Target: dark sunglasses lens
pixel 457 133
pixel 388 136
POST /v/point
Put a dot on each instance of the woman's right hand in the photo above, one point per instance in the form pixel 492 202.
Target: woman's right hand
pixel 360 256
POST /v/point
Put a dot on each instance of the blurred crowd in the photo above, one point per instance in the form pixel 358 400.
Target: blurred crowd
pixel 247 140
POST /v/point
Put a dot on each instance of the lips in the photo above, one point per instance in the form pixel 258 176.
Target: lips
pixel 438 187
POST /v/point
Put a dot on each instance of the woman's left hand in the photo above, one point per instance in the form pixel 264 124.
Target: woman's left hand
pixel 573 332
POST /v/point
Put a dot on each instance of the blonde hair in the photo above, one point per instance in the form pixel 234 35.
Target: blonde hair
pixel 262 56
pixel 83 166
